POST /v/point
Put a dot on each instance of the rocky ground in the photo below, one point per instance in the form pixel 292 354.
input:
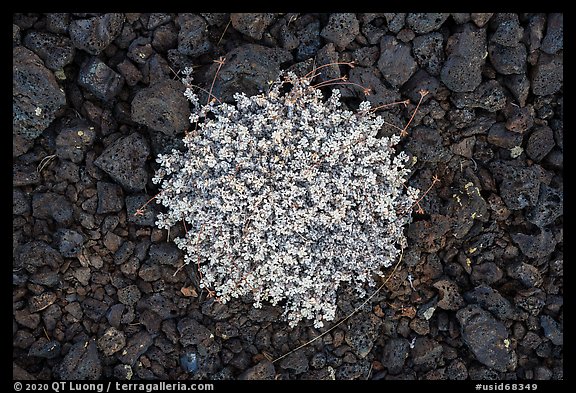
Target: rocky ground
pixel 479 292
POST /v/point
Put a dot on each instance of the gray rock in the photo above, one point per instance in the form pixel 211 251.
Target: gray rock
pixel 427 353
pixel 480 18
pixel 192 332
pixel 296 362
pixel 137 345
pixel 395 21
pixel 57 22
pixel 552 330
pixel 52 206
pixel 129 295
pixel 450 297
pixel 69 242
pixel 44 348
pixel 489 95
pixel 554 39
pixel 536 246
pixel 111 341
pixel 193 35
pixel 508 59
pixel 491 300
pixel 36 96
pixel 499 136
pixel 549 207
pixel 395 353
pixel 261 371
pixel 519 86
pixel 309 40
pixel 94 309
pixel 162 107
pixel 426 143
pixel 428 50
pixel 124 161
pixel 508 30
pixel 81 362
pixel 362 332
pixel 73 140
pixel 99 79
pixel 527 274
pixel 547 76
pixel 341 29
pixel 139 215
pixel 165 254
pixel 486 337
pixel 56 50
pixel 94 34
pixel 252 24
pixel 396 62
pixel 540 143
pixel 110 197
pixel 425 22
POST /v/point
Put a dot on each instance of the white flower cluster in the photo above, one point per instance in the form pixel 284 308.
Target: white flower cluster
pixel 285 196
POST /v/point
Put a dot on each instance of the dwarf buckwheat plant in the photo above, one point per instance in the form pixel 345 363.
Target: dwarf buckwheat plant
pixel 286 196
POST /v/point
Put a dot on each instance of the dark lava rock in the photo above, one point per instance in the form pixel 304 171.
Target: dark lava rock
pixel 366 56
pixel 519 186
pixel 549 207
pixel 547 75
pixel 137 345
pixel 395 21
pixel 501 137
pixel 421 80
pixel 508 59
pixel 114 314
pixel 426 353
pixel 519 86
pixel 57 22
pixel 94 34
pixel 129 72
pixel 56 50
pixel 457 371
pixel 69 242
pixel 189 362
pixel 491 300
pixel 489 96
pixel 351 371
pixel 247 68
pixel 450 298
pixel 554 39
pixel 536 246
pixel 426 143
pixel 252 24
pixel 519 119
pixel 36 254
pixel 486 337
pixel 508 30
pixel 261 371
pixel 110 197
pixel 396 351
pixel 129 295
pixel 428 50
pixel 341 29
pixel 140 50
pixel 308 36
pixel 480 18
pixel 20 202
pixel 192 332
pixel 27 319
pixel 527 274
pixel 362 332
pixel 73 140
pixel 162 107
pixel 124 161
pixel 379 93
pixel 164 253
pixel 145 216
pixel 193 35
pixel 111 341
pixel 94 309
pixel 122 372
pixel 425 22
pixel 36 96
pixel 462 71
pixel 81 362
pixel 51 205
pixel 396 62
pixel 99 79
pixel 552 330
pixel 164 38
pixel 44 348
pixel 297 362
pixel 540 143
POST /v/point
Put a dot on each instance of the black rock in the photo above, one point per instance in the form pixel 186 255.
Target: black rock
pixel 353 371
pixel 129 72
pixel 489 95
pixel 140 50
pixel 370 77
pixel 547 75
pixel 309 40
pixel 536 246
pixel 56 50
pixel 36 96
pixel 296 362
pixel 262 371
pixel 396 351
pixel 460 17
pixel 428 50
pixel 94 34
pixel 480 18
pixel 73 140
pixel 162 107
pixel 519 119
pixel 366 56
pixel 501 137
pixel 57 22
pixel 111 341
pixel 252 24
pixel 139 214
pixel 192 36
pixel 341 29
pixel 110 197
pixel 122 372
pixel 396 62
pixel 36 254
pixel 549 207
pixel 486 337
pixel 20 202
pixel 69 242
pixel 552 330
pixel 519 86
pixel 508 59
pixel 129 295
pixel 94 308
pixel 540 143
pixel 44 348
pixel 426 143
pixel 114 314
pixel 425 22
pixel 450 297
pixel 527 274
pixel 99 79
pixel 192 332
pixel 247 68
pixel 137 345
pixel 421 80
pixel 81 362
pixel 554 39
pixel 362 332
pixel 395 21
pixel 51 205
pixel 165 37
pixel 491 300
pixel 427 353
pixel 508 30
pixel 466 48
pixel 124 161
pixel 164 253
pixel 189 362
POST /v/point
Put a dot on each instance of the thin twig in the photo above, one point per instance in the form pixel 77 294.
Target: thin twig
pixel 423 94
